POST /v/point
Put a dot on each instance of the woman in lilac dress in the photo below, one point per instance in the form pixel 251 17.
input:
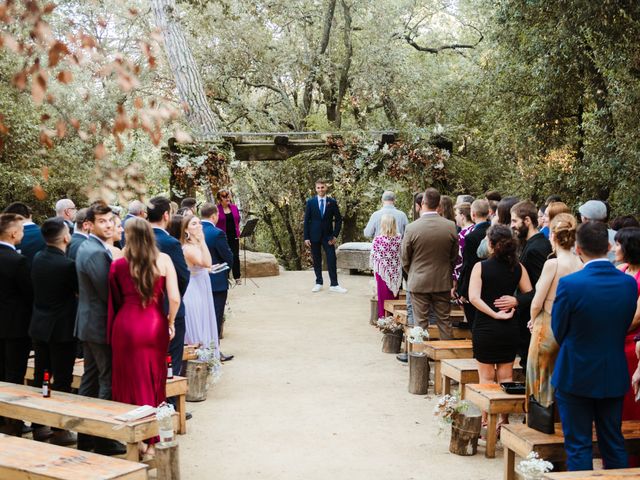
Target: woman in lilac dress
pixel 386 262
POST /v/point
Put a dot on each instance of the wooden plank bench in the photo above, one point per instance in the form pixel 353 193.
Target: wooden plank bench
pixel 400 316
pixel 518 439
pixel 391 306
pixel 490 398
pixel 438 350
pixel 465 370
pixel 176 387
pixel 615 474
pixel 80 414
pixel 22 459
pixel 434 333
pixel 189 353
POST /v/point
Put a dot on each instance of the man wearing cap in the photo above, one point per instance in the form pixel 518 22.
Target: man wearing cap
pixel 596 211
pixel 388 207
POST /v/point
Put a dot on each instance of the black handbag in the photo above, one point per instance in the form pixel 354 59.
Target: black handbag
pixel 540 418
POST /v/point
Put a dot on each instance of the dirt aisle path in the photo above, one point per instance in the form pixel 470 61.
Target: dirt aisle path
pixel 310 396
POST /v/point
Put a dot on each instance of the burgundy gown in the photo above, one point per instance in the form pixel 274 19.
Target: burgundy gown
pixel 139 338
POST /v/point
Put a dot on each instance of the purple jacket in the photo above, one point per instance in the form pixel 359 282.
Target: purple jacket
pixel 222 220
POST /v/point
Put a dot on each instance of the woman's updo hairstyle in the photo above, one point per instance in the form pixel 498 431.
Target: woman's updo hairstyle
pixel 503 244
pixel 564 227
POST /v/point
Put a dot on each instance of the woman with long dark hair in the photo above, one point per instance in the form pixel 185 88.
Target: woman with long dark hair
pixel 229 223
pixel 138 328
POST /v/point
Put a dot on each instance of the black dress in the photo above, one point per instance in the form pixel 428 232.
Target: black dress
pixel 234 244
pixel 496 341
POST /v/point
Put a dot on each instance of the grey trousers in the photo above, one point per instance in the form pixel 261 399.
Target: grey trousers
pixel 438 304
pixel 96 380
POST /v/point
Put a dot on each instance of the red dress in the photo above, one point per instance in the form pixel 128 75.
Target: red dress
pixel 139 338
pixel 631 408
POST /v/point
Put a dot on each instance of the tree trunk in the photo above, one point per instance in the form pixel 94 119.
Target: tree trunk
pixel 391 342
pixel 343 80
pixel 418 373
pixel 185 71
pixel 197 374
pixel 465 431
pixel 167 462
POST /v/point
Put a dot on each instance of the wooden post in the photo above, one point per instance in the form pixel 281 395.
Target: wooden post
pixel 167 462
pixel 197 373
pixel 391 342
pixel 465 431
pixel 418 373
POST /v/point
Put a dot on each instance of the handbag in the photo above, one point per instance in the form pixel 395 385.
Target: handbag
pixel 540 418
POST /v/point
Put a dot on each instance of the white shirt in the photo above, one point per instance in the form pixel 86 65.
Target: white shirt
pixel 424 214
pixel 27 222
pixel 8 245
pixel 83 234
pixel 320 205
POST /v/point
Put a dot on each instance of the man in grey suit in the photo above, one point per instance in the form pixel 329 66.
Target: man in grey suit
pixel 80 234
pixel 93 262
pixel 429 254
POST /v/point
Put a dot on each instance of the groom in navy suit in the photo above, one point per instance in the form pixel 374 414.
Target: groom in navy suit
pixel 591 314
pixel 322 224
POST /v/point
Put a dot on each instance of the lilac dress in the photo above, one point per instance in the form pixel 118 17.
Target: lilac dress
pixel 200 316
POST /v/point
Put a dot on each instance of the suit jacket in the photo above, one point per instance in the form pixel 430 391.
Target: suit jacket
pixel 216 241
pixel 32 242
pixel 74 245
pixel 591 313
pixel 222 219
pixel 92 266
pixel 533 256
pixel 55 296
pixel 171 246
pixel 124 221
pixel 429 254
pixel 16 295
pixel 318 227
pixel 470 256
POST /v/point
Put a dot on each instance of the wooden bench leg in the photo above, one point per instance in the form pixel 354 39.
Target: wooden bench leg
pixel 132 452
pixel 461 390
pixel 182 414
pixel 437 378
pixel 490 451
pixel 509 464
pixel 446 385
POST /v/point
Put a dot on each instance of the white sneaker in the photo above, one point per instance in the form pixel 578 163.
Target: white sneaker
pixel 337 289
pixel 316 288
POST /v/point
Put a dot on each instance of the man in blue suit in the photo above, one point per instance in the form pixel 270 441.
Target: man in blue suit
pixel 322 224
pixel 591 314
pixel 158 216
pixel 33 241
pixel 216 241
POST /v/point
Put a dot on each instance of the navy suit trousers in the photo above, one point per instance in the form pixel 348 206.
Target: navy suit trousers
pixel 176 346
pixel 577 415
pixel 330 253
pixel 219 302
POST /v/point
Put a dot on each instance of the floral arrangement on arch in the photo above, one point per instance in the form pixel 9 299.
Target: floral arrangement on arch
pixel 534 467
pixel 388 325
pixel 418 335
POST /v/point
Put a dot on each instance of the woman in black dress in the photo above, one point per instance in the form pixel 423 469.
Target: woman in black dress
pixel 229 223
pixel 495 332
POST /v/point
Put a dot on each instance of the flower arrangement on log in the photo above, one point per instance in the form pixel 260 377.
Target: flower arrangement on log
pixel 534 467
pixel 208 356
pixel 392 334
pixel 449 407
pixel 388 325
pixel 418 335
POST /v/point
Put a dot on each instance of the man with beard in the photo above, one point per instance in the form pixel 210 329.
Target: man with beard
pixel 534 252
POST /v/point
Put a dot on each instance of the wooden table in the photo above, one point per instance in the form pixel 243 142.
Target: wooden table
pixel 80 414
pixel 490 398
pixel 615 474
pixel 22 459
pixel 465 370
pixel 518 439
pixel 438 350
pixel 176 387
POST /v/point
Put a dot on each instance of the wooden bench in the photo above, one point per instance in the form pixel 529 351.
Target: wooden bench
pixel 438 350
pixel 391 306
pixel 465 370
pixel 490 398
pixel 189 352
pixel 22 459
pixel 518 439
pixel 176 387
pixel 77 413
pixel 615 474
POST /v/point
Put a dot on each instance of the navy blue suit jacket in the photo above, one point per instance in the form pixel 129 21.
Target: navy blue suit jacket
pixel 216 241
pixel 591 314
pixel 169 245
pixel 32 242
pixel 319 228
pixel 124 221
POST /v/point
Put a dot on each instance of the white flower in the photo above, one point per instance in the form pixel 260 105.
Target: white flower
pixel 534 465
pixel 418 335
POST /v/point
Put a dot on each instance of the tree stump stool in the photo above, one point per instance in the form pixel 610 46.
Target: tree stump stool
pixel 197 376
pixel 418 373
pixel 391 342
pixel 167 462
pixel 465 431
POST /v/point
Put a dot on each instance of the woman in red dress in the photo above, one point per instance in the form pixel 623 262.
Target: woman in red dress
pixel 138 328
pixel 628 251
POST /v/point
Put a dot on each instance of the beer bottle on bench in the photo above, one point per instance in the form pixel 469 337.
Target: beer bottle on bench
pixel 169 367
pixel 46 389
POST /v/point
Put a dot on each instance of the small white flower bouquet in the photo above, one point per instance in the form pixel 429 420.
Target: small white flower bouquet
pixel 388 325
pixel 208 356
pixel 418 335
pixel 534 467
pixel 448 407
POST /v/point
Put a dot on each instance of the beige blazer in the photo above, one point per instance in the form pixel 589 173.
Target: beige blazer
pixel 429 253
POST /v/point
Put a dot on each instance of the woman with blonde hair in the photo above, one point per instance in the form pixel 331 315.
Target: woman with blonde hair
pixel 386 262
pixel 138 329
pixel 543 348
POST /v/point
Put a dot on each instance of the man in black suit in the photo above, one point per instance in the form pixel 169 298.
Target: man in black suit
pixel 32 241
pixel 55 290
pixel 322 224
pixel 479 216
pixel 535 251
pixel 80 233
pixel 16 297
pixel 158 216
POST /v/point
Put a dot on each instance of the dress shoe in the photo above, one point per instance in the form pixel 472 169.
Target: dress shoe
pixel 25 428
pixel 188 416
pixel 225 358
pixel 42 433
pixel 64 438
pixel 86 443
pixel 402 357
pixel 109 447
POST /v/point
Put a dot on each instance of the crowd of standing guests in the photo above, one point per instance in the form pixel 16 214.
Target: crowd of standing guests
pixel 534 284
pixel 123 294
